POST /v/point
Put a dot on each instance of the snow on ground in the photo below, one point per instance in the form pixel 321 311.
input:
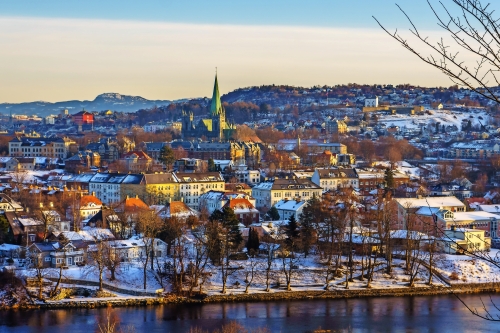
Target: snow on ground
pixel 470 270
pixel 308 275
pixel 443 116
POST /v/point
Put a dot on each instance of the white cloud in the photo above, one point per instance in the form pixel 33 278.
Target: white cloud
pixel 58 59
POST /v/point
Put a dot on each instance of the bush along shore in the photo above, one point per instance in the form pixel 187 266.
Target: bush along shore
pixel 18 301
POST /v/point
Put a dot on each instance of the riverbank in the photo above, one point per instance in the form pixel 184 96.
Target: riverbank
pixel 274 295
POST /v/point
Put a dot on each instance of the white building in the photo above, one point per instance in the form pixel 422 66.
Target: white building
pixel 334 179
pixel 250 177
pixel 106 187
pixel 213 200
pixel 268 193
pixel 193 185
pixel 287 208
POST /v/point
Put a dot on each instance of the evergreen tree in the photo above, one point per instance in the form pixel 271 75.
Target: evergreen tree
pixel 312 215
pixel 389 178
pixel 223 231
pixel 292 231
pixel 273 214
pixel 253 242
pixel 211 165
pixel 167 156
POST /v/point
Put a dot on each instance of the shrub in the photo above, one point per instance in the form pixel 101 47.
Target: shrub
pixel 454 276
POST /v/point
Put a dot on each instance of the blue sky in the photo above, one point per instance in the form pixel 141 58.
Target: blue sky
pixel 61 50
pixel 323 13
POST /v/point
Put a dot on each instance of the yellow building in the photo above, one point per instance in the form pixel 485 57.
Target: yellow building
pixel 157 188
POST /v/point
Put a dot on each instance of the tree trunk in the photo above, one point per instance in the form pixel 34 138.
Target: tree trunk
pixel 100 280
pixel 53 293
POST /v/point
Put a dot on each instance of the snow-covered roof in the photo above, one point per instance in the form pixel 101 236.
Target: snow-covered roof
pixel 449 201
pixel 289 205
pixel 473 216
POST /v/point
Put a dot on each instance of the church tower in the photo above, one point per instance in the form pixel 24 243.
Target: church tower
pixel 217 113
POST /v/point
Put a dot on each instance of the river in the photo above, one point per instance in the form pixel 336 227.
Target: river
pixel 438 314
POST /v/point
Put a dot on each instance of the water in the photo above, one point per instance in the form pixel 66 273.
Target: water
pixel 389 314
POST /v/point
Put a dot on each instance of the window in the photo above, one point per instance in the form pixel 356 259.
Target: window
pixel 47 258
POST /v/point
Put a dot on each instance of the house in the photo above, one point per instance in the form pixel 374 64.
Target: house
pixel 89 206
pixel 407 207
pixel 155 188
pixel 7 204
pixel 268 193
pixel 180 210
pixel 244 210
pixel 464 240
pixel 193 185
pixel 238 187
pixel 137 161
pixel 54 221
pixel 25 229
pixel 287 208
pixel 129 250
pixel 35 147
pixel 213 200
pixel 106 186
pixel 370 180
pixel 332 179
pixel 54 254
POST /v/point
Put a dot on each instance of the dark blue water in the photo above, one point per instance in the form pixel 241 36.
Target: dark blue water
pixel 405 314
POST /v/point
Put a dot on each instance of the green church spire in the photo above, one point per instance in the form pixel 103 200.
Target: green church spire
pixel 216 107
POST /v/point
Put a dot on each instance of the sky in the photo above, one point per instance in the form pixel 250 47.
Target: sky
pixel 56 50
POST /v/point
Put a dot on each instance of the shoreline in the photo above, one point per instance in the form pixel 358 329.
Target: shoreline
pixel 473 288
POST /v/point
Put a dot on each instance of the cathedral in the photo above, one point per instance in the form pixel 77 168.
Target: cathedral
pixel 215 128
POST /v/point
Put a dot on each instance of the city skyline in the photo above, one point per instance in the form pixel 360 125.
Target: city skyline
pixel 61 52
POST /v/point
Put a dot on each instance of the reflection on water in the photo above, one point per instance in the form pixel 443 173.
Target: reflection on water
pixel 407 314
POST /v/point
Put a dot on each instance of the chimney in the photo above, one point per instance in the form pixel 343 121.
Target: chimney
pixel 93 194
pixel 137 196
pixel 270 225
pixel 51 204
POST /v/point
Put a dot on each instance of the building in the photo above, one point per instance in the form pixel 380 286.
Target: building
pixel 370 180
pixel 154 188
pixel 463 240
pixel 51 254
pixel 137 161
pixel 36 147
pixel 214 128
pixel 83 118
pixel 89 206
pixel 244 210
pixel 213 200
pixel 287 208
pixel 334 179
pixel 408 207
pixel 268 193
pixel 193 185
pixel 7 204
pixel 335 126
pixel 250 177
pixel 107 187
pixel 312 146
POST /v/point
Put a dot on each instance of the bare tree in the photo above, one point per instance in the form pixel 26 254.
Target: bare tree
pixel 472 32
pixel 148 226
pixel 97 260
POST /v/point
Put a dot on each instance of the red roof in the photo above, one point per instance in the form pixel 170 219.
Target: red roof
pixel 86 199
pixel 177 207
pixel 135 204
pixel 239 203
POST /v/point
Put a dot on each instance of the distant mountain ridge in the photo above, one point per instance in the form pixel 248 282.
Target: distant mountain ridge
pixel 106 101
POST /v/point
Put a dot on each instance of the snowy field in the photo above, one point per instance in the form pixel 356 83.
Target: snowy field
pixel 445 117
